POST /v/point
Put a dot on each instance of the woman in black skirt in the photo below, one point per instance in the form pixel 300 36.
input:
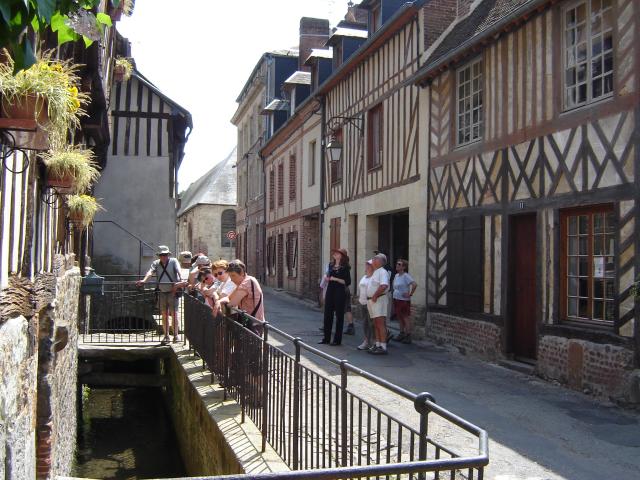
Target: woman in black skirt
pixel 338 278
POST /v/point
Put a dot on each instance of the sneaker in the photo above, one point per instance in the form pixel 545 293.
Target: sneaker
pixel 350 330
pixel 363 346
pixel 399 337
pixel 406 339
pixel 378 351
pixel 165 341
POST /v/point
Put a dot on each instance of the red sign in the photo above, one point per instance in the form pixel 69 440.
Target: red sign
pixel 231 235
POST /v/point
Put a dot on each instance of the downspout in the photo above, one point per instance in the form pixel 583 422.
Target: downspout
pixel 426 270
pixel 323 132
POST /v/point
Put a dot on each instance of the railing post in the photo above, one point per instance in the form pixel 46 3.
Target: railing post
pixel 225 358
pixel 296 405
pixel 265 384
pixel 343 410
pixel 420 404
pixel 240 364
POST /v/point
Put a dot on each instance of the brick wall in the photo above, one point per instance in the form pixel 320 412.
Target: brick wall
pixel 438 14
pixel 472 336
pixel 605 371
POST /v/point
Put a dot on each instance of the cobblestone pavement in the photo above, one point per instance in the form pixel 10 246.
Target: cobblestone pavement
pixel 537 430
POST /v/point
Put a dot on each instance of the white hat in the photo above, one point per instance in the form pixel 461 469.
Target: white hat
pixel 163 250
pixel 203 260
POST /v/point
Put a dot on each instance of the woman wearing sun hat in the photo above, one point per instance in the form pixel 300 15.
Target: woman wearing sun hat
pixel 338 279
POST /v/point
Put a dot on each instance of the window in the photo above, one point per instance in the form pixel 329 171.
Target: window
pixel 336 167
pixel 312 163
pixel 292 177
pixel 228 228
pixel 272 188
pixel 469 113
pixel 280 184
pixel 374 137
pixel 337 55
pixel 292 254
pixel 464 263
pixel 588 264
pixel 588 48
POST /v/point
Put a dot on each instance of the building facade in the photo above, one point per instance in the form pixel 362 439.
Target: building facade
pixel 207 216
pixel 533 223
pixel 292 167
pixel 149 134
pixel 259 93
pixel 374 195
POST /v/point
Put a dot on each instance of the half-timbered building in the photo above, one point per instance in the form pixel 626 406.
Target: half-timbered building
pixel 533 224
pixel 149 132
pixel 374 193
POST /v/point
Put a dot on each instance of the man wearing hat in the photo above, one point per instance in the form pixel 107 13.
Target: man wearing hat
pixel 167 273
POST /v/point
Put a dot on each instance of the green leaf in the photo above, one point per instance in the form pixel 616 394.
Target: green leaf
pixel 35 23
pixel 87 41
pixel 104 19
pixel 5 11
pixel 66 34
pixel 57 21
pixel 46 8
pixel 23 55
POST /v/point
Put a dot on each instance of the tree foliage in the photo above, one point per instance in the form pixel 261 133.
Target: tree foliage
pixel 71 20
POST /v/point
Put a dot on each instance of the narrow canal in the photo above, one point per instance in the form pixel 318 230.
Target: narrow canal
pixel 126 433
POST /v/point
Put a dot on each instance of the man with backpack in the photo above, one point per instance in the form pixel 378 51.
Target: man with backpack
pixel 167 273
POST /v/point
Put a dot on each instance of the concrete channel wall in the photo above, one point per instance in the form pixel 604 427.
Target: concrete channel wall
pixel 212 439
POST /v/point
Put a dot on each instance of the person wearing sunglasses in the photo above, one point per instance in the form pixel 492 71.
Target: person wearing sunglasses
pixel 225 286
pixel 404 286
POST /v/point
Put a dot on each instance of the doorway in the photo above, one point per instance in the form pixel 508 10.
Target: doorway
pixel 522 294
pixel 393 236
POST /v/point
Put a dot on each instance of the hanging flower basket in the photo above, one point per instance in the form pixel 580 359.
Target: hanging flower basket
pixel 82 209
pixel 122 70
pixel 29 106
pixel 62 183
pixel 70 170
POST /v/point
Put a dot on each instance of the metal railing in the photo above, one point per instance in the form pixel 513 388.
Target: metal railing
pixel 320 427
pixel 126 313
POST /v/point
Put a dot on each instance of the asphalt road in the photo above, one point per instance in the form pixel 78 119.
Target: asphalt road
pixel 537 430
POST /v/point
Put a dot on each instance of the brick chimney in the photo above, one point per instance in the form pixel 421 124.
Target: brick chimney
pixel 314 33
pixel 438 15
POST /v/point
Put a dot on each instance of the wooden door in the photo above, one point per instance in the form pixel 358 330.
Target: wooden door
pixel 523 304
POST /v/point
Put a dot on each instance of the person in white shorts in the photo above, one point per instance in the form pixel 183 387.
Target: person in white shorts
pixel 377 303
pixel 367 327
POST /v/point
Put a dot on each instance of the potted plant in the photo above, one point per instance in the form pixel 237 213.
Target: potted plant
pixel 82 209
pixel 122 70
pixel 70 170
pixel 46 92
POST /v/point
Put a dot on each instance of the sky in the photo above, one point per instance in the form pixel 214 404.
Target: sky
pixel 200 53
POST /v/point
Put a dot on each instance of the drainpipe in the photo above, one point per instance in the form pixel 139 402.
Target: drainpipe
pixel 263 226
pixel 323 133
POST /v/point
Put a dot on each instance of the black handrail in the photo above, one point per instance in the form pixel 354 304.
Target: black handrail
pixel 313 422
pixel 141 242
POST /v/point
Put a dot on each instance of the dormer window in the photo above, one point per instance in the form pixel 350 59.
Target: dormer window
pixel 375 18
pixel 337 55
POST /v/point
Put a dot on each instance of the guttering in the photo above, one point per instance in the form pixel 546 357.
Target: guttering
pixel 431 70
pixel 378 38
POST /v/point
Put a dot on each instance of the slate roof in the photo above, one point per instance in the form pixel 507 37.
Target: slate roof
pixel 216 187
pixel 275 104
pixel 319 53
pixel 484 17
pixel 346 32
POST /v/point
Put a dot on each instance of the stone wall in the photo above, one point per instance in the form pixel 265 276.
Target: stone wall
pixel 211 437
pixel 605 371
pixel 57 304
pixel 471 336
pixel 18 364
pixel 204 222
pixel 38 362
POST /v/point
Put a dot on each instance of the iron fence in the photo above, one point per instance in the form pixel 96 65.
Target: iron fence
pixel 126 313
pixel 321 428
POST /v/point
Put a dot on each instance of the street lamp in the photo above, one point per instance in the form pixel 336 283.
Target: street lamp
pixel 335 149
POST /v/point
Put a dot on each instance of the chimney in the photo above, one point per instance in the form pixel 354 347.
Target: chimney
pixel 438 15
pixel 356 14
pixel 314 33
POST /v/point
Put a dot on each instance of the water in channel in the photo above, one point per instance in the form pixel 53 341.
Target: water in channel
pixel 126 433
